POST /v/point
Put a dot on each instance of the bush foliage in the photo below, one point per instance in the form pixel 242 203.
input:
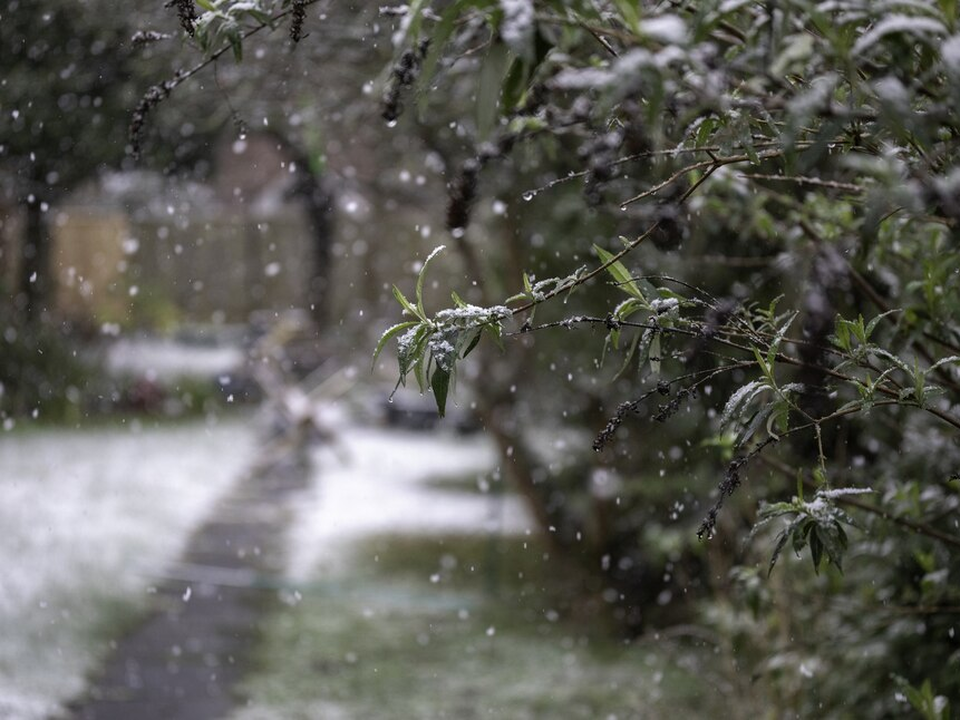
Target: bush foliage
pixel 737 221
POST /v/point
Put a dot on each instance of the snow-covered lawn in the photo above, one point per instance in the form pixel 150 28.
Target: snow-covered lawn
pixel 87 518
pixel 376 482
pixel 90 518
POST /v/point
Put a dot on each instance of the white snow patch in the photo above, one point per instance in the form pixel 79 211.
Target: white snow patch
pixel 666 28
pixel 87 517
pixel 165 359
pixel 378 487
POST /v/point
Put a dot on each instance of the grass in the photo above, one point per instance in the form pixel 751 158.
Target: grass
pixel 460 627
pixel 471 483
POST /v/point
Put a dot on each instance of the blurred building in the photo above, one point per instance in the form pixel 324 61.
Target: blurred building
pixel 143 250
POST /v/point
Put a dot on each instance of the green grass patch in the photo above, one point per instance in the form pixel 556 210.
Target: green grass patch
pixel 466 627
pixel 473 483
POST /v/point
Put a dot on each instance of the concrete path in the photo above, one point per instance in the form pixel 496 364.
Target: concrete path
pixel 183 662
pixel 186 659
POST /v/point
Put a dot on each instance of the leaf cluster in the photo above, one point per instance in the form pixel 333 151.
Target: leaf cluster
pixel 431 347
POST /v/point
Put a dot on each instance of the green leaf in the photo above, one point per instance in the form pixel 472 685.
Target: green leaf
pixel 630 14
pixel 639 346
pixel 411 349
pixel 619 273
pixel 628 307
pixel 389 333
pixel 495 331
pixel 236 44
pixel 514 84
pixel 420 277
pixel 761 416
pixel 886 354
pixel 953 359
pixel 740 399
pixel 816 549
pixel 775 345
pixel 492 74
pixel 873 323
pixel 405 304
pixel 782 540
pixel 440 382
pixel 475 340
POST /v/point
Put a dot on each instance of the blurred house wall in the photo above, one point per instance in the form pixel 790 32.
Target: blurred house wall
pixel 143 251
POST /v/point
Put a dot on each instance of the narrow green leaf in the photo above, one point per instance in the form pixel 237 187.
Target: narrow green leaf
pixel 873 323
pixel 405 304
pixel 628 307
pixel 237 46
pixel 474 341
pixel 630 14
pixel 892 358
pixel 411 348
pixel 816 549
pixel 440 382
pixel 438 40
pixel 420 277
pixel 457 300
pixel 495 331
pixel 527 285
pixel 492 73
pixel 514 83
pixel 942 362
pixel 778 339
pixel 655 354
pixel 389 333
pixel 420 370
pixel 740 399
pixel 619 273
pixel 641 343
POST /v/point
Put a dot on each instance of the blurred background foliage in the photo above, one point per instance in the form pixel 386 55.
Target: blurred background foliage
pixel 792 170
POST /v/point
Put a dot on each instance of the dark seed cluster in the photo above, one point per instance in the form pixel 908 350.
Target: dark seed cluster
pixel 153 97
pixel 403 75
pixel 624 409
pixel 298 13
pixel 727 487
pixel 187 14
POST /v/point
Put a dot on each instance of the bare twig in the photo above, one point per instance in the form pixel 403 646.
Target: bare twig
pixel 713 164
pixel 801 180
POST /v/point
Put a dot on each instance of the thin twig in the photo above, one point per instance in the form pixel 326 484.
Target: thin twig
pixel 801 180
pixel 590 275
pixel 714 163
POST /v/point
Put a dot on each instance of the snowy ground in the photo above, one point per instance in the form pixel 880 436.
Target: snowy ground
pixel 374 484
pixel 88 517
pixel 166 359
pixel 91 517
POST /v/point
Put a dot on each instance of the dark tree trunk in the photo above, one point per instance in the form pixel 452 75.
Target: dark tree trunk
pixel 319 198
pixel 319 202
pixel 34 277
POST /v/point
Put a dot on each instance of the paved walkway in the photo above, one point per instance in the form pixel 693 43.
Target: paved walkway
pixel 184 661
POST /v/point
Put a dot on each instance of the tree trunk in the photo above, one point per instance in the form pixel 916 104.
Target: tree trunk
pixel 34 273
pixel 320 211
pixel 318 197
